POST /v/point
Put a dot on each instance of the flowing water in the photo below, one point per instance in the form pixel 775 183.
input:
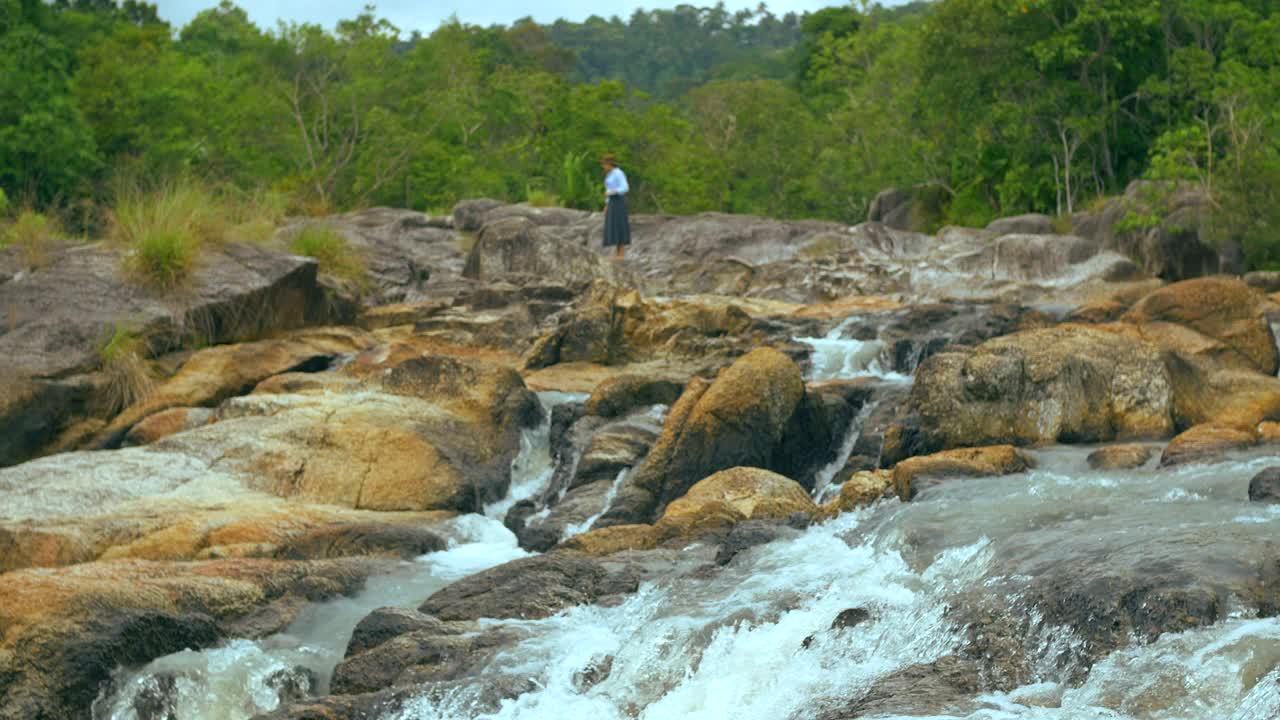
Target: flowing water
pixel 837 357
pixel 755 640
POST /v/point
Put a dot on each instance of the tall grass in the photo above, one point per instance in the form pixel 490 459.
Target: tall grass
pixel 123 356
pixel 331 251
pixel 165 229
pixel 31 232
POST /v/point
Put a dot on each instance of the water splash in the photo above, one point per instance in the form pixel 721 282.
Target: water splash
pixel 838 358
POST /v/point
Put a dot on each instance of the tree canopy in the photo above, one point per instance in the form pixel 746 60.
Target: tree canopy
pixel 1004 106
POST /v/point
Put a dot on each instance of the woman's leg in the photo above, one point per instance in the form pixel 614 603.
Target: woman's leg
pixel 620 252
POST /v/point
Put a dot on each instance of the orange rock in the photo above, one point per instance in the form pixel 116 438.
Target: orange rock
pixel 908 475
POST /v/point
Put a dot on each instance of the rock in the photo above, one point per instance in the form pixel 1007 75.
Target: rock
pixel 942 687
pixel 623 393
pixel 912 476
pixel 913 209
pixel 517 245
pixel 469 215
pixel 64 632
pixel 1098 312
pixel 402 541
pixel 861 489
pixel 420 656
pixel 68 309
pixel 386 623
pixel 210 376
pixel 166 423
pixel 737 420
pixel 1265 486
pixel 731 496
pixel 613 539
pixel 1204 443
pixel 1172 249
pixel 529 588
pixel 746 535
pixel 1206 394
pixel 1265 281
pixel 1070 383
pixel 1120 457
pixel 1225 310
pixel 1029 224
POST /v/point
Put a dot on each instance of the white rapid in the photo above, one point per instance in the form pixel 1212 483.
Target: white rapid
pixel 751 642
pixel 837 358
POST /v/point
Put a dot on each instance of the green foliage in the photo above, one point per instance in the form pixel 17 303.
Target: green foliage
pixel 4 203
pixel 537 197
pixel 1003 107
pixel 332 252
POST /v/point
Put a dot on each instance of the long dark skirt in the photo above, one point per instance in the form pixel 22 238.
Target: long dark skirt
pixel 617 229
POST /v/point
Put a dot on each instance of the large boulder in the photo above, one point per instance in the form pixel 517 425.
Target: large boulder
pixel 430 433
pixel 1029 224
pixel 1069 383
pixel 518 246
pixel 1206 443
pixel 1205 393
pixel 407 255
pixel 1225 310
pixel 731 496
pixel 1265 486
pixel 64 313
pixel 737 420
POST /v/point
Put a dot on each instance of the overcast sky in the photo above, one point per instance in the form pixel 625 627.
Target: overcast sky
pixel 409 15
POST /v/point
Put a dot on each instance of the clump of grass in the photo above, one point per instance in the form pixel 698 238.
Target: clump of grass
pixel 4 203
pixel 165 229
pixel 331 251
pixel 1062 224
pixel 31 233
pixel 123 355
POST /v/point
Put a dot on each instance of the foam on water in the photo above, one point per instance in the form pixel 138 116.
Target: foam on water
pixel 735 645
pixel 533 467
pixel 839 358
pixel 243 678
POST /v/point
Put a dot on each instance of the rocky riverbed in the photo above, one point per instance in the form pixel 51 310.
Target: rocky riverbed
pixel 760 469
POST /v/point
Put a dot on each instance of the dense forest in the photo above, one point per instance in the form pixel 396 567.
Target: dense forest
pixel 999 106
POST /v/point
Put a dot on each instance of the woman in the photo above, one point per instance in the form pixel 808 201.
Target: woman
pixel 617 229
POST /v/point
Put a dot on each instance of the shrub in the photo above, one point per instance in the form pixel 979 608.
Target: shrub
pixel 254 215
pixel 332 252
pixel 123 355
pixel 4 202
pixel 541 198
pixel 31 232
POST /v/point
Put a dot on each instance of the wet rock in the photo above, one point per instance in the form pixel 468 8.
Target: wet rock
pixel 402 541
pixel 293 684
pixel 748 534
pixel 1265 281
pixel 737 420
pixel 1029 224
pixel 859 490
pixel 1071 383
pixel 529 588
pixel 732 496
pixel 928 689
pixel 593 674
pixel 1265 486
pixel 816 431
pixel 1225 310
pixel 64 632
pixel 386 623
pixel 914 475
pixel 613 539
pixel 1120 457
pixel 1205 443
pixel 420 656
pixel 621 394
